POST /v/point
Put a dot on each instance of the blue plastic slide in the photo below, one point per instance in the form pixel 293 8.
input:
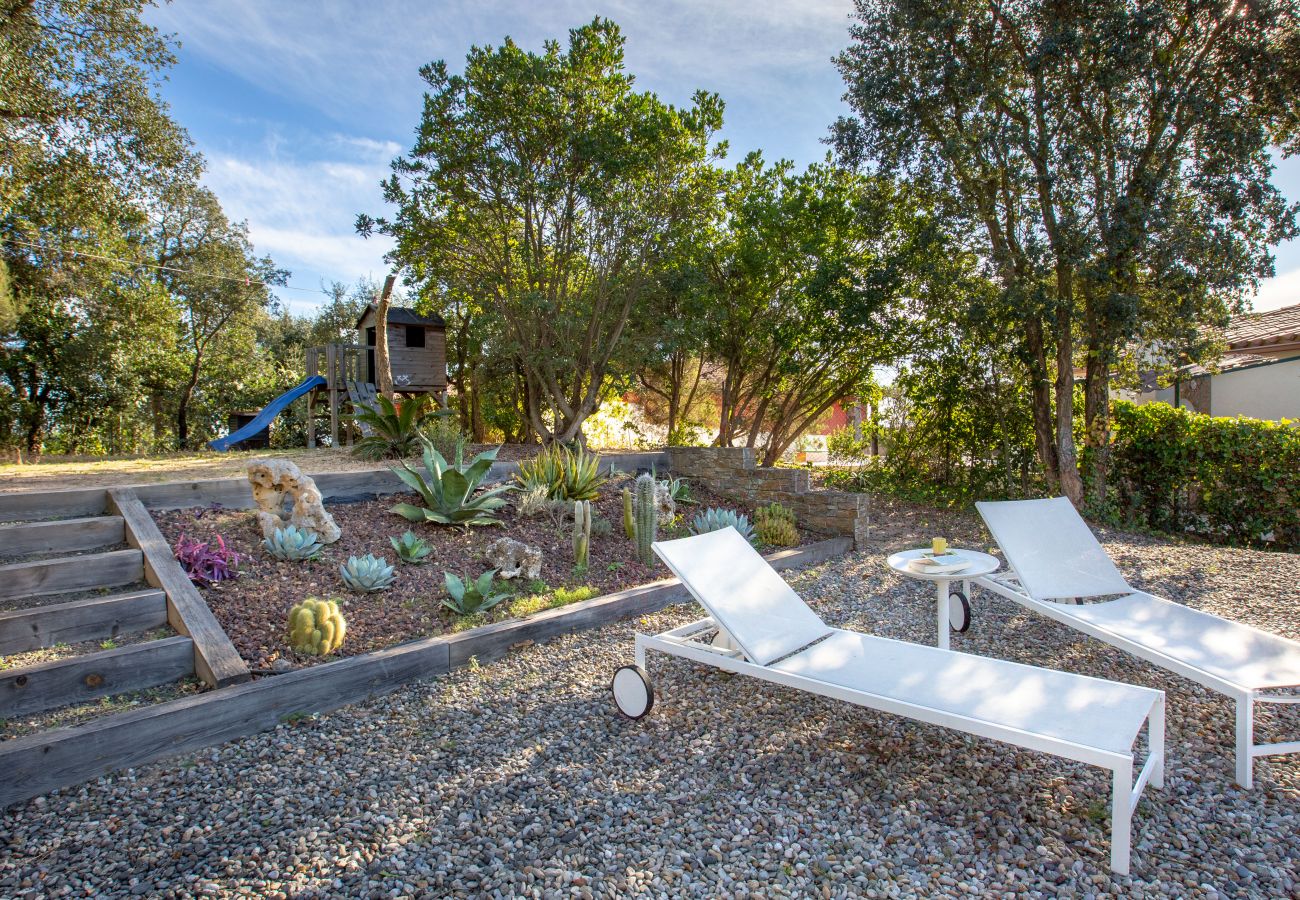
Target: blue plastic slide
pixel 273 409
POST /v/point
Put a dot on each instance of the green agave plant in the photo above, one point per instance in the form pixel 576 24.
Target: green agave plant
pixel 368 573
pixel 292 542
pixel 469 596
pixel 449 490
pixel 411 548
pixel 394 430
pixel 566 474
pixel 714 519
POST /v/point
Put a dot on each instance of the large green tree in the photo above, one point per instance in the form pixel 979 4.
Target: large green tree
pixel 544 185
pixel 816 277
pixel 1114 156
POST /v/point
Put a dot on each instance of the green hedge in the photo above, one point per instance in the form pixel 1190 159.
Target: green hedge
pixel 1176 470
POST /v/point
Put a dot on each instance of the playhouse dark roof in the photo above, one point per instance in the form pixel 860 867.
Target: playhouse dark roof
pixel 401 315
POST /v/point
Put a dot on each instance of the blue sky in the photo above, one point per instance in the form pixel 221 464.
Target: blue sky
pixel 299 105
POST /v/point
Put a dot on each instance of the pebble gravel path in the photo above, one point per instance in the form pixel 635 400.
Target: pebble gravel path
pixel 518 779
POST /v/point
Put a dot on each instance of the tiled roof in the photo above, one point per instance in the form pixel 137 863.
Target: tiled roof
pixel 1266 329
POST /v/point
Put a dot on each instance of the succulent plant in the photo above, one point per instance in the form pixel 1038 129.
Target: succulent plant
pixel 566 474
pixel 292 542
pixel 468 596
pixel 411 548
pixel 646 518
pixel 532 501
pixel 448 492
pixel 316 627
pixel 714 519
pixel 364 574
pixel 629 518
pixel 774 525
pixel 581 532
pixel 207 563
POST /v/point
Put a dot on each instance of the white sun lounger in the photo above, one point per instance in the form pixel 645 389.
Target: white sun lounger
pixel 1054 556
pixel 758 626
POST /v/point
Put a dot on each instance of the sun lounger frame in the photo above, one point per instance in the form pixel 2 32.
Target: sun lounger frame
pixel 1126 791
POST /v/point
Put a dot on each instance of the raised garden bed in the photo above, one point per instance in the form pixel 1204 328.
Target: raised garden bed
pixel 253 609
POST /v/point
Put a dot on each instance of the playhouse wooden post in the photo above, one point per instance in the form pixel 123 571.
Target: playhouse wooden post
pixel 331 383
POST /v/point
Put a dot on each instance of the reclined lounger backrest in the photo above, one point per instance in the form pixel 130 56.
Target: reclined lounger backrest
pixel 743 593
pixel 1051 549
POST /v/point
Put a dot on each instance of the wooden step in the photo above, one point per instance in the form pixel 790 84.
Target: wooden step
pixel 71 573
pixel 35 689
pixel 64 535
pixel 81 620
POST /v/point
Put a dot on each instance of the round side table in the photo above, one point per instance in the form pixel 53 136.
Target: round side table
pixel 952 608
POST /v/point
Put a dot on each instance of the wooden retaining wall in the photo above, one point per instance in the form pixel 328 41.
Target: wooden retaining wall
pixel 235 493
pixel 35 764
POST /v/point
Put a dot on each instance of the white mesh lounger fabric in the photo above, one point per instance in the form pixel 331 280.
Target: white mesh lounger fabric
pixel 758 626
pixel 1053 556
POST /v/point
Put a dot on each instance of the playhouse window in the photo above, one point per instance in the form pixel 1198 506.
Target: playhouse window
pixel 415 335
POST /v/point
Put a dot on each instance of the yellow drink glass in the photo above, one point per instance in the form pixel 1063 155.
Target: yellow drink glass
pixel 939 546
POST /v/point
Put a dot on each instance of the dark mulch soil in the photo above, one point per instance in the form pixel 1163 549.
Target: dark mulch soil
pixel 254 608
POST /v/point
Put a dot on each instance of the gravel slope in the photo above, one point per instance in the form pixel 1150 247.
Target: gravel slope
pixel 519 779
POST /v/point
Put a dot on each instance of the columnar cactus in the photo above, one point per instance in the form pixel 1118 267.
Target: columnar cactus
pixel 647 519
pixel 629 522
pixel 316 627
pixel 581 532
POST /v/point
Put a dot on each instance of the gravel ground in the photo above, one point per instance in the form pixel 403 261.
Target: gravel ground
pixel 519 779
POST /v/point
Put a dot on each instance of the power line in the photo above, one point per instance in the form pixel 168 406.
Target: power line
pixel 248 282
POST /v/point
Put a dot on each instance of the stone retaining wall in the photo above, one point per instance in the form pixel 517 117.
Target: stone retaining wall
pixel 731 472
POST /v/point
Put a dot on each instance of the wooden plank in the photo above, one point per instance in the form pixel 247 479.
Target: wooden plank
pixel 81 620
pixel 28 506
pixel 70 573
pixel 216 660
pixel 65 535
pixel 491 642
pixel 63 682
pixel 38 763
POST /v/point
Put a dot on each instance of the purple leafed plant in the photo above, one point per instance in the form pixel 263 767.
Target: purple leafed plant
pixel 205 562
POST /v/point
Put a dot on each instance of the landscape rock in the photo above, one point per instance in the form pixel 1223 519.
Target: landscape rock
pixel 513 558
pixel 274 480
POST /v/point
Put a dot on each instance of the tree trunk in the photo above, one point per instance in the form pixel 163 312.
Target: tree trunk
pixel 1041 401
pixel 1096 417
pixel 383 370
pixel 1067 462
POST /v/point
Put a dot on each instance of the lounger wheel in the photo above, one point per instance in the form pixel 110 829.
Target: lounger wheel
pixel 958 611
pixel 632 692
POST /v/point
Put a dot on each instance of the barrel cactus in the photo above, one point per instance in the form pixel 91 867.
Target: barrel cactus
pixel 647 519
pixel 316 627
pixel 774 525
pixel 581 532
pixel 364 574
pixel 291 542
pixel 714 519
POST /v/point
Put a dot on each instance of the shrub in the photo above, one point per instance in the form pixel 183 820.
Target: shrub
pixel 449 491
pixel 394 430
pixel 205 562
pixel 845 444
pixel 466 597
pixel 714 519
pixel 532 501
pixel 316 627
pixel 443 431
pixel 566 474
pixel 1234 477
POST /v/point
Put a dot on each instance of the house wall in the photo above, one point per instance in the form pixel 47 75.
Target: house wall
pixel 1267 391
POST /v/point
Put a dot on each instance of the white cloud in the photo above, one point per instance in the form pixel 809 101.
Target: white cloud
pixel 1281 290
pixel 301 212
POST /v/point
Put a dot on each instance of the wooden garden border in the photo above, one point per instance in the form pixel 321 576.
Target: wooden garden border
pixel 39 763
pixel 235 493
